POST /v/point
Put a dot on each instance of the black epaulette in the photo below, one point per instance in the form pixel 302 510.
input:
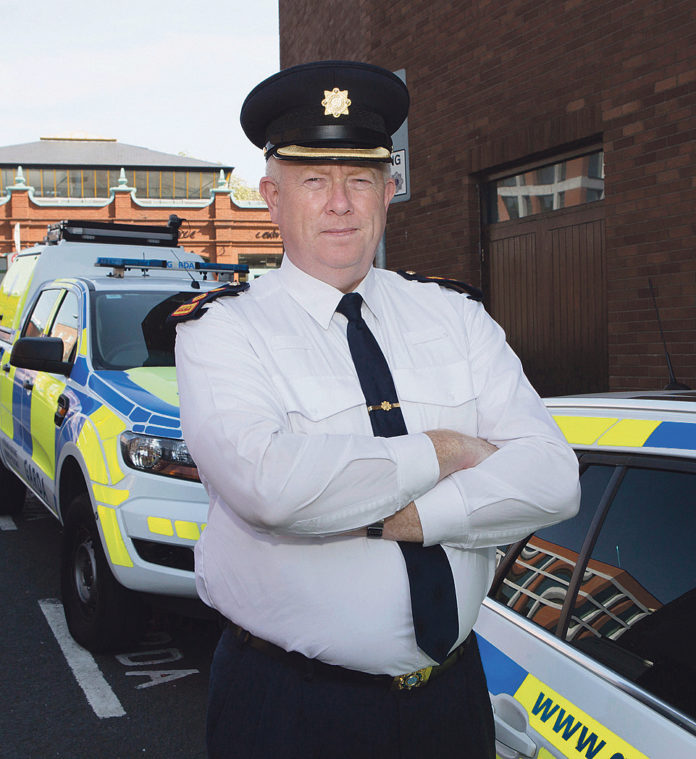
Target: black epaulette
pixel 196 307
pixel 473 293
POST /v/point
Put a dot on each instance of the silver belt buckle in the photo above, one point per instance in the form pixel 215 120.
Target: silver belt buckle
pixel 412 680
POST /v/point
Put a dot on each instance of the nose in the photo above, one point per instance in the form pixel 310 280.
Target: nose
pixel 339 201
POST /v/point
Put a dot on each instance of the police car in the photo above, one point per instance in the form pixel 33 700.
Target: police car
pixel 587 636
pixel 89 415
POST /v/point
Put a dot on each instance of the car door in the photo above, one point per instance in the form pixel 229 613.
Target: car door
pixel 50 400
pixel 35 394
pixel 34 325
pixel 587 637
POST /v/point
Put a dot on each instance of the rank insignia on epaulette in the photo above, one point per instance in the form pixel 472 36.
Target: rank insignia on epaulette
pixel 473 293
pixel 196 307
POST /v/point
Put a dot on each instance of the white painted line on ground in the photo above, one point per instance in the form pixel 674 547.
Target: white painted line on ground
pixel 7 523
pixel 88 675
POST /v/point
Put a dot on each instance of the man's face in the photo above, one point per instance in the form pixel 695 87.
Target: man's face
pixel 331 216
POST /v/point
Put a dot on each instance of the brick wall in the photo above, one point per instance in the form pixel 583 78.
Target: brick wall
pixel 495 83
pixel 220 231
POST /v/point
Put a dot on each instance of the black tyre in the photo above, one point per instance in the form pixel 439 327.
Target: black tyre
pixel 101 614
pixel 12 492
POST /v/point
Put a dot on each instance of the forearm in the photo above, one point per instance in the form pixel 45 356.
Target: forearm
pixel 527 485
pixel 454 452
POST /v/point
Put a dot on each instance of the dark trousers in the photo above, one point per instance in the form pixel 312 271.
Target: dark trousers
pixel 261 707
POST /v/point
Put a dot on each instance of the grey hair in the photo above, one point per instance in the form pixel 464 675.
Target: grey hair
pixel 273 165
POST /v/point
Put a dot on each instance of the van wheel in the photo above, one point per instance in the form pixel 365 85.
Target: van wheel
pixel 101 614
pixel 13 492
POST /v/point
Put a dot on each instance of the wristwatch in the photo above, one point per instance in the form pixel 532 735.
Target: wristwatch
pixel 375 530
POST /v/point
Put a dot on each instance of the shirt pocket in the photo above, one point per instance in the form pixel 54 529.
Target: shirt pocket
pixel 326 404
pixel 437 396
pixel 318 395
pixel 430 346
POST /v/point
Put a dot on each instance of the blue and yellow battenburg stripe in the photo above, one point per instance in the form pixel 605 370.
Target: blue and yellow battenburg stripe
pixel 611 431
pixel 568 730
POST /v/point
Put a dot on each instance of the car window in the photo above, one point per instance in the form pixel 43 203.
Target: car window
pixel 537 583
pixel 41 313
pixel 66 324
pixel 131 329
pixel 636 607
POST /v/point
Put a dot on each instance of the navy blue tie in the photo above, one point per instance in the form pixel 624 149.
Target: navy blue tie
pixel 433 597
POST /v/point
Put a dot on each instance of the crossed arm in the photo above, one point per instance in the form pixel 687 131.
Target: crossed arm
pixel 454 451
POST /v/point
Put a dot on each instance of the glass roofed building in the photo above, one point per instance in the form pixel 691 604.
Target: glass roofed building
pixel 58 167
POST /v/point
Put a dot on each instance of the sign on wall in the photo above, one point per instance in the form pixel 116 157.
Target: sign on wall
pixel 399 167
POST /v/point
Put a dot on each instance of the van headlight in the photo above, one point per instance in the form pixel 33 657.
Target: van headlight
pixel 158 455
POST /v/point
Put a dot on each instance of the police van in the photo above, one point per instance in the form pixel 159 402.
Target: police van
pixel 587 636
pixel 89 415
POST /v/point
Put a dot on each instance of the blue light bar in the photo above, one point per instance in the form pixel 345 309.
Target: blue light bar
pixel 161 263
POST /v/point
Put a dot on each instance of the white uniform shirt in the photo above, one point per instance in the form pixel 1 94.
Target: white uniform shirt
pixel 273 414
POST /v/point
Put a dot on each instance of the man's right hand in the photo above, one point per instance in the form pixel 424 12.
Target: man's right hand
pixel 456 451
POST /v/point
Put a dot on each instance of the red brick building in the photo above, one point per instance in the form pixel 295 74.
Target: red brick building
pixel 98 179
pixel 552 150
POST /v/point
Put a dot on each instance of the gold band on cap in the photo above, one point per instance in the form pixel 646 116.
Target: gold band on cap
pixel 347 154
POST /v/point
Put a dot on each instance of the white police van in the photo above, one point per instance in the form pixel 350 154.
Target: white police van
pixel 89 415
pixel 587 636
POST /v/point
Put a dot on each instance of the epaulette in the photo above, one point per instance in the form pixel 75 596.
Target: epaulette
pixel 473 293
pixel 196 307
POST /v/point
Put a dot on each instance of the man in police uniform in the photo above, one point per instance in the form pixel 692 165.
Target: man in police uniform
pixel 366 441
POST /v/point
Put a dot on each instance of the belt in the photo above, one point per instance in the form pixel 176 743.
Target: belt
pixel 310 667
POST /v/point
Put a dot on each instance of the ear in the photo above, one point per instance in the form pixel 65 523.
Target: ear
pixel 268 188
pixel 389 190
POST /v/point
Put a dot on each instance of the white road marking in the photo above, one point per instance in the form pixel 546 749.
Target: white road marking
pixel 7 523
pixel 88 675
pixel 159 676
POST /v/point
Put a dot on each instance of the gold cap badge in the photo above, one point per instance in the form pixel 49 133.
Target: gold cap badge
pixel 335 102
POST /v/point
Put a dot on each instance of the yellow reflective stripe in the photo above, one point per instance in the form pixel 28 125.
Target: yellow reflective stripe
pixel 629 432
pixel 109 426
pixel 160 381
pixel 91 450
pixel 83 343
pixel 566 727
pixel 44 400
pixel 583 430
pixel 187 530
pixel 115 545
pixel 109 495
pixel 107 422
pixel 6 385
pixel 160 526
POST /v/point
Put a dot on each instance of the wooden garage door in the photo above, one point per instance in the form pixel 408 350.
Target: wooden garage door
pixel 545 277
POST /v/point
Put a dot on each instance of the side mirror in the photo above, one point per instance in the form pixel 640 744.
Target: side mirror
pixel 45 354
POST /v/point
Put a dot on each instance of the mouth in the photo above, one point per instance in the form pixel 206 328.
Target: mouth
pixel 340 232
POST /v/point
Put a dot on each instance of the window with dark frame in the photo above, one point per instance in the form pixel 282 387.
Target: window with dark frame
pixel 571 181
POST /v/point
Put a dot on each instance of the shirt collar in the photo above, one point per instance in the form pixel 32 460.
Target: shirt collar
pixel 318 298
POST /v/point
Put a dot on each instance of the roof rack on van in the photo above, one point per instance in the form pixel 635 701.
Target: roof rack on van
pixel 115 234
